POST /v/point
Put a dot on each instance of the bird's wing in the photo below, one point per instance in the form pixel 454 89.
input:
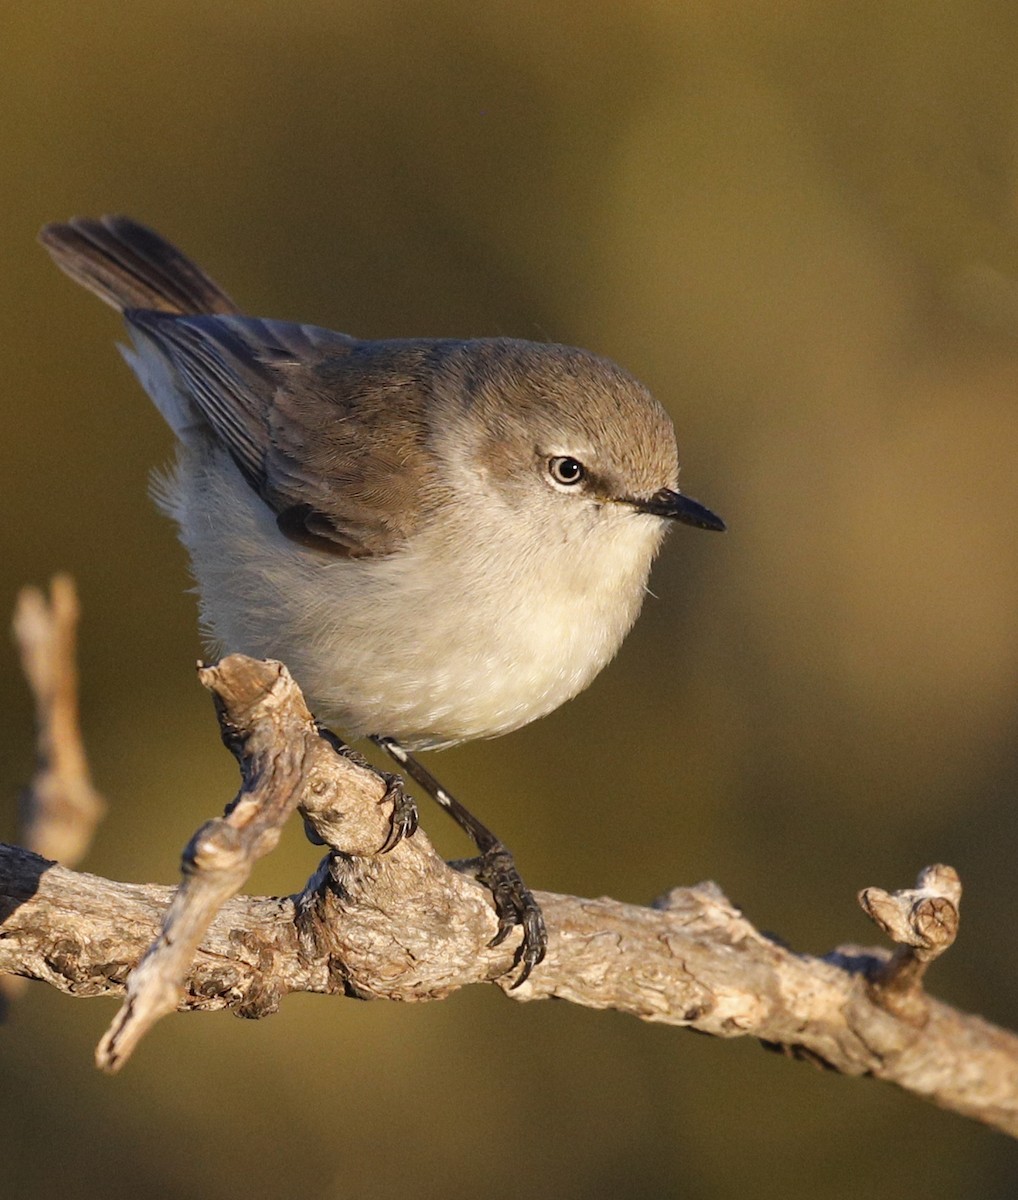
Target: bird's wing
pixel 306 415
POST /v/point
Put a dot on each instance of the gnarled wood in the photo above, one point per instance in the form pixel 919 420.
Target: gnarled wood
pixel 406 925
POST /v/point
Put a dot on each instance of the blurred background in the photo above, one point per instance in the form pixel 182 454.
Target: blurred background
pixel 797 223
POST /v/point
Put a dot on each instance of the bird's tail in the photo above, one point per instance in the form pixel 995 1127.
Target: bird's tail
pixel 130 266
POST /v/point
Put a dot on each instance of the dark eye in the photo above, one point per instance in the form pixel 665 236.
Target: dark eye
pixel 565 470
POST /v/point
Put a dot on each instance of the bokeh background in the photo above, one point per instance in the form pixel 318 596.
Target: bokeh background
pixel 797 223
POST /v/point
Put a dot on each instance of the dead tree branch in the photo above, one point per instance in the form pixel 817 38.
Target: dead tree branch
pixel 406 925
pixel 60 808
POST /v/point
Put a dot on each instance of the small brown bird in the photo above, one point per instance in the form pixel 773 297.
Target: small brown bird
pixel 442 539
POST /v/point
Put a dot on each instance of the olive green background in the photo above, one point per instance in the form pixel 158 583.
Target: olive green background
pixel 797 223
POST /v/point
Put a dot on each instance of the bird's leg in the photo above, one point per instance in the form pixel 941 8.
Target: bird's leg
pixel 514 902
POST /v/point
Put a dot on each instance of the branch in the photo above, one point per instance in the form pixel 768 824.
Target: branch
pixel 406 925
pixel 60 808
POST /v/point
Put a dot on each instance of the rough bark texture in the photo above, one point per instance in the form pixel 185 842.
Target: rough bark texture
pixel 406 925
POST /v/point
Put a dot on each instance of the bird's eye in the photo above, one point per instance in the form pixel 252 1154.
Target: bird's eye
pixel 566 471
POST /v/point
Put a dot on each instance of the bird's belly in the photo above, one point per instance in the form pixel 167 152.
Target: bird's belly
pixel 426 647
pixel 429 680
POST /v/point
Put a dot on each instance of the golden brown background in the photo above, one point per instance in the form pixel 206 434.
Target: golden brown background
pixel 797 223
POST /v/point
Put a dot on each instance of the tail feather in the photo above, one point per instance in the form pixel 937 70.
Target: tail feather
pixel 130 266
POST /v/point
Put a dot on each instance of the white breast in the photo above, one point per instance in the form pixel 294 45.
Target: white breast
pixel 433 645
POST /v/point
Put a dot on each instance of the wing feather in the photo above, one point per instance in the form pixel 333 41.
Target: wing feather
pixel 305 413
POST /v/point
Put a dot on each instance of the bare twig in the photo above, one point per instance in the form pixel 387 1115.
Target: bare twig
pixel 271 746
pixel 924 922
pixel 405 925
pixel 285 762
pixel 60 808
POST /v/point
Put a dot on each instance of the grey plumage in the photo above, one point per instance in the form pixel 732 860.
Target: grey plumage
pixel 380 514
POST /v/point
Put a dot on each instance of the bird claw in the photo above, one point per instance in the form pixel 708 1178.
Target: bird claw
pixel 404 813
pixel 514 905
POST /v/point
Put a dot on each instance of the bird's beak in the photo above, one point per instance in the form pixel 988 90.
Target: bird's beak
pixel 676 507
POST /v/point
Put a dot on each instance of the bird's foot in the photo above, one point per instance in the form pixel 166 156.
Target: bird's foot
pixel 404 813
pixel 514 905
pixel 403 823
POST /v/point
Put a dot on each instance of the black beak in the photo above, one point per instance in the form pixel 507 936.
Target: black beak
pixel 677 507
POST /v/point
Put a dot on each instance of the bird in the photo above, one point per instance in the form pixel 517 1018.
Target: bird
pixel 443 539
